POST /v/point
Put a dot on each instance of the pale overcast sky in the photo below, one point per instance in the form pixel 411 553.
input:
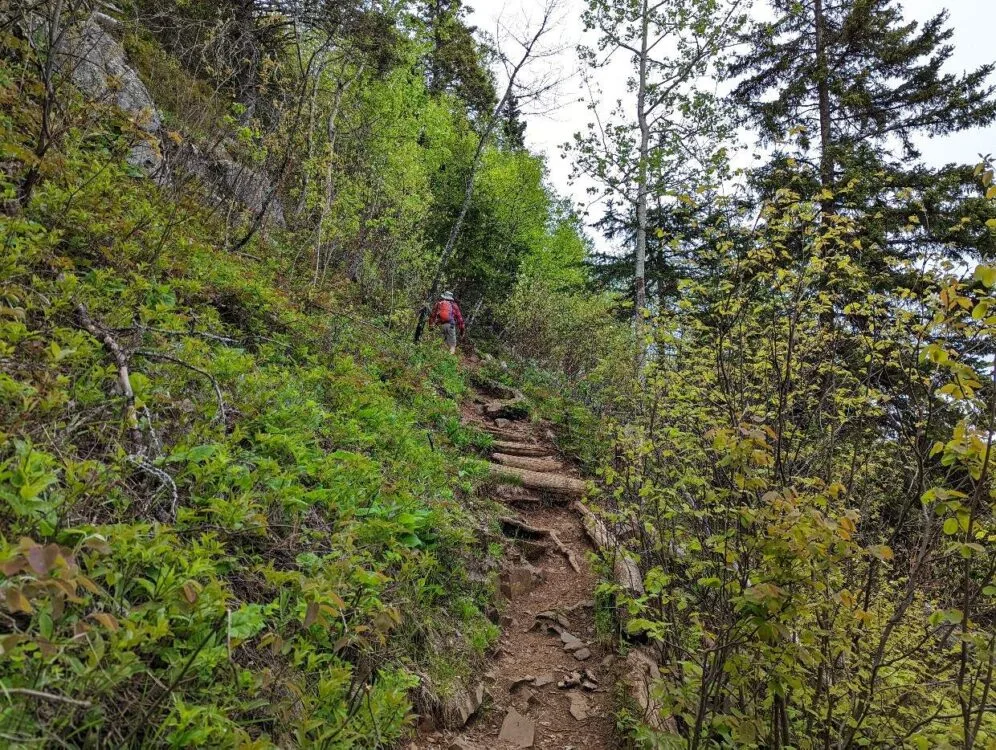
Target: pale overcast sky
pixel 972 21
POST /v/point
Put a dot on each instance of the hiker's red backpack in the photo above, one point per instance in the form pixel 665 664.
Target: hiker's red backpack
pixel 445 311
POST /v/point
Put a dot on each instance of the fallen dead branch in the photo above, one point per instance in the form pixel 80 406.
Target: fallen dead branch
pixel 124 377
pixel 45 696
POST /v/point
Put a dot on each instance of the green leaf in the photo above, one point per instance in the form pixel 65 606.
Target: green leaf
pixel 954 616
pixel 246 621
pixel 951 526
pixel 986 274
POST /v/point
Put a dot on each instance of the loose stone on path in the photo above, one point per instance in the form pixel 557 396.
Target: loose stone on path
pixel 579 706
pixel 517 729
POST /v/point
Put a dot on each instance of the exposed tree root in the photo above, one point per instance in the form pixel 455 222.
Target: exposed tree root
pixel 539 533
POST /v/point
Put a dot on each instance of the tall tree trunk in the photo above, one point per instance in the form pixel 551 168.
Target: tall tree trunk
pixel 823 92
pixel 302 200
pixel 640 275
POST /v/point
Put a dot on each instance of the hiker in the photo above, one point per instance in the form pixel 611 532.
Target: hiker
pixel 447 314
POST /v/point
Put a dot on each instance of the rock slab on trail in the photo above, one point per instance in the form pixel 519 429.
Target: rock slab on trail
pixel 517 730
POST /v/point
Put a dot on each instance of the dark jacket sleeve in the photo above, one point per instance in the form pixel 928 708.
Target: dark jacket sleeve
pixel 435 315
pixel 458 315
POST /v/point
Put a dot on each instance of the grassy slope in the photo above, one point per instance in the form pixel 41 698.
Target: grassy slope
pixel 316 569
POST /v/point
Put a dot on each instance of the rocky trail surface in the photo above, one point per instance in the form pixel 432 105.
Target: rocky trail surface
pixel 551 682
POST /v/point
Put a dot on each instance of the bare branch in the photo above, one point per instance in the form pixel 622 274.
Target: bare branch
pixel 220 416
pixel 8 691
pixel 124 377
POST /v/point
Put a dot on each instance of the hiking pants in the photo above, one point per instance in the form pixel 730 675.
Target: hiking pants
pixel 450 333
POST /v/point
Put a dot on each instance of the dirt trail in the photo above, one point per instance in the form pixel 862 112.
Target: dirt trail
pixel 550 684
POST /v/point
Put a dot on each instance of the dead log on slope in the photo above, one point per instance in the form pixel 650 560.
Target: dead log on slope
pixel 625 570
pixel 535 480
pixel 546 465
pixel 641 674
pixel 641 665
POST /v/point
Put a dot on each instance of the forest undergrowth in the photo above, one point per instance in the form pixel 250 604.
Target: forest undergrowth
pixel 238 507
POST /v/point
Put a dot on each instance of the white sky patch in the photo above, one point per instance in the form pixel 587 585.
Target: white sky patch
pixel 971 20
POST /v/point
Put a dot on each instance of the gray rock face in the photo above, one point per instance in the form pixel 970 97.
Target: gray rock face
pixel 251 188
pixel 229 179
pixel 100 70
pixel 458 709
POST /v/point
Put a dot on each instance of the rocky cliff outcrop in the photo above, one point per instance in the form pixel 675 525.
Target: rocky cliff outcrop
pixel 229 179
pixel 100 69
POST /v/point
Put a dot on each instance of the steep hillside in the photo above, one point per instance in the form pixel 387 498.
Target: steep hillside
pixel 227 513
pixel 245 503
pixel 235 509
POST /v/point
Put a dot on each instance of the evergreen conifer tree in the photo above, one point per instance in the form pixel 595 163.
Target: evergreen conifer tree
pixel 514 126
pixel 454 62
pixel 853 84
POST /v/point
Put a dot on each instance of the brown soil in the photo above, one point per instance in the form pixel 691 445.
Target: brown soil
pixel 526 651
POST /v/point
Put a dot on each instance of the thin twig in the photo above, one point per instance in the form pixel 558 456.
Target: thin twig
pixel 44 696
pixel 124 378
pixel 148 467
pixel 220 416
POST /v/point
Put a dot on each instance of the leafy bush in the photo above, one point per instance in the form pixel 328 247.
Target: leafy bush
pixel 805 479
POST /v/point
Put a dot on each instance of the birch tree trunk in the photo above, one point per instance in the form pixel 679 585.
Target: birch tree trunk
pixel 642 115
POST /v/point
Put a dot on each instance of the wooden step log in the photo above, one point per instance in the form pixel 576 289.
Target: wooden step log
pixel 535 480
pixel 514 494
pixel 520 449
pixel 510 436
pixel 546 465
